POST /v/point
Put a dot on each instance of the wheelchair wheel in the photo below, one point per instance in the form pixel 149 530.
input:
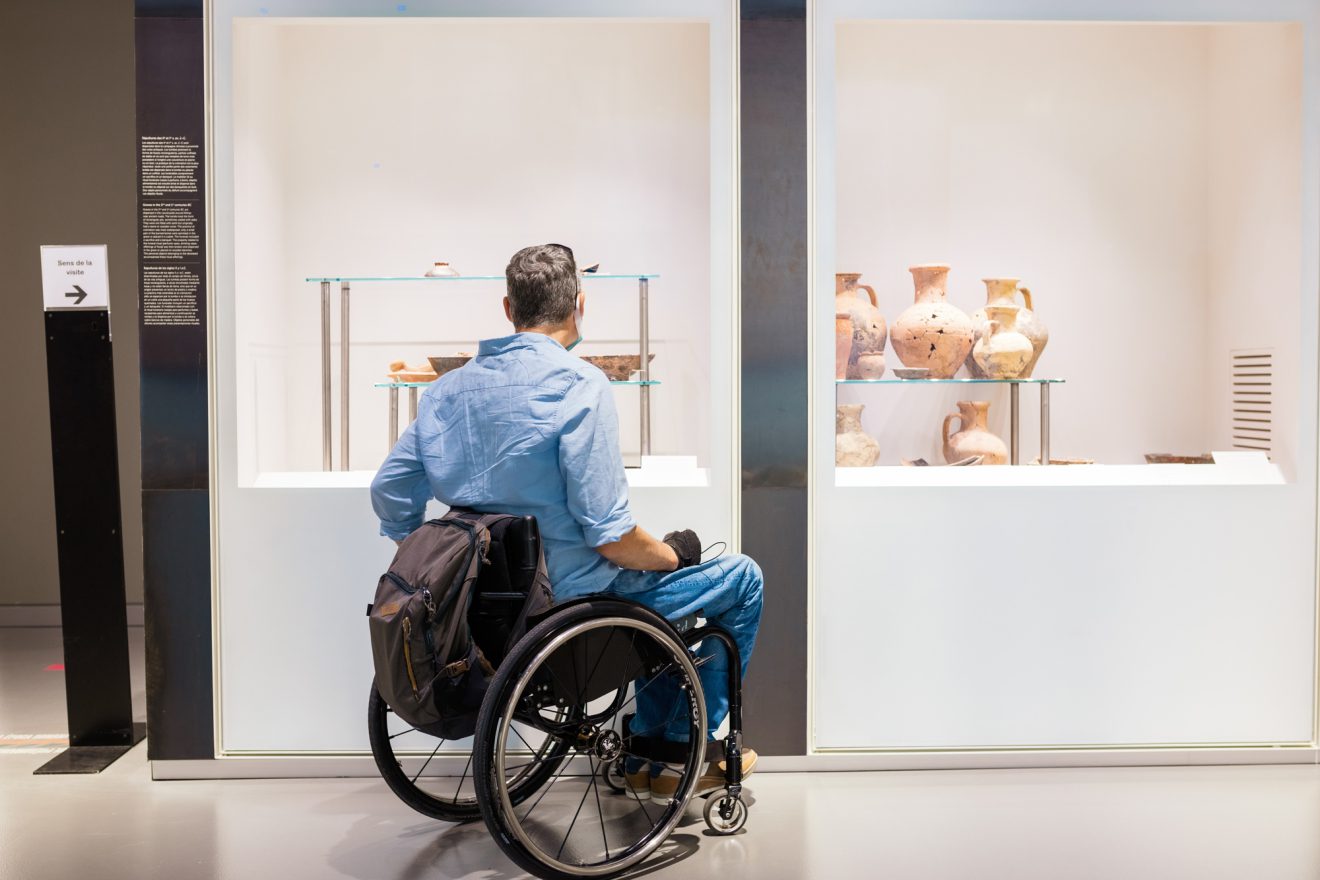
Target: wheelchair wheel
pixel 574 677
pixel 404 754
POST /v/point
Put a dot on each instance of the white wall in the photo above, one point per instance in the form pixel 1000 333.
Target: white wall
pixel 374 147
pixel 1253 139
pixel 1125 171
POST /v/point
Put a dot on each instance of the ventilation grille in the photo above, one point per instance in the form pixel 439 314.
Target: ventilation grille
pixel 1253 398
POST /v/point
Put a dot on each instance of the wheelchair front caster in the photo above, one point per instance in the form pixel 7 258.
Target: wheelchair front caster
pixel 725 813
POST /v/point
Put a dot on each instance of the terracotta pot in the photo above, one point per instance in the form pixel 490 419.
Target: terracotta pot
pixel 870 365
pixel 1003 292
pixel 1003 352
pixel 931 333
pixel 973 437
pixel 869 331
pixel 843 340
pixel 853 447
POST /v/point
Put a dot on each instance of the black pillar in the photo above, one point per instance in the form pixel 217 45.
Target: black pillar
pixel 773 61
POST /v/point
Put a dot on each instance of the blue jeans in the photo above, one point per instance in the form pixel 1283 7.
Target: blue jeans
pixel 726 591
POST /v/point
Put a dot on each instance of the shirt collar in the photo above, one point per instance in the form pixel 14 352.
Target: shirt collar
pixel 518 340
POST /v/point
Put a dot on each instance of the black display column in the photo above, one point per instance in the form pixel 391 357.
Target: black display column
pixel 176 501
pixel 773 136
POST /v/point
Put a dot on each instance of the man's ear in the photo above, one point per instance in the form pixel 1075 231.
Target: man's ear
pixel 582 302
pixel 508 310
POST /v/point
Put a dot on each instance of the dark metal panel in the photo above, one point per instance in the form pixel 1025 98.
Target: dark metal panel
pixel 177 530
pixel 175 430
pixel 89 543
pixel 773 60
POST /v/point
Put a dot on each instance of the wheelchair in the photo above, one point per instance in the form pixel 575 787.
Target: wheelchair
pixel 546 767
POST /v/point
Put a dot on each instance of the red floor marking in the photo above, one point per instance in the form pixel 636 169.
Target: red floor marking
pixel 55 667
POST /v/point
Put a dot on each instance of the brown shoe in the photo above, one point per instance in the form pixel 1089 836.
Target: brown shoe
pixel 664 786
pixel 713 778
pixel 639 783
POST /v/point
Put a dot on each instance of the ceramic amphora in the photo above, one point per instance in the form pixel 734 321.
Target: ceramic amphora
pixel 858 300
pixel 853 447
pixel 973 436
pixel 931 333
pixel 1003 292
pixel 1002 352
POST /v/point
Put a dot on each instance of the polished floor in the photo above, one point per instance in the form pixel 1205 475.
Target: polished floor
pixel 1236 823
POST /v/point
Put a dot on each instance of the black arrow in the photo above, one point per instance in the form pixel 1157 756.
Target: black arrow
pixel 78 292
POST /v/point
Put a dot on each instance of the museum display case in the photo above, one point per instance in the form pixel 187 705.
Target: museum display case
pixel 1046 234
pixel 374 170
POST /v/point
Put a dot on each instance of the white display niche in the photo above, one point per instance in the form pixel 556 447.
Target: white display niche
pixel 1155 183
pixel 1144 181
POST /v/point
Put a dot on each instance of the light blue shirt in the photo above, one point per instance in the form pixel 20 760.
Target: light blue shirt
pixel 525 428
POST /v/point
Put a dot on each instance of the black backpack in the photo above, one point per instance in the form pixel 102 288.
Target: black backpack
pixel 456 597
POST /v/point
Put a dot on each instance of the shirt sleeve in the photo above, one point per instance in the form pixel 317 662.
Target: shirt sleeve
pixel 401 489
pixel 591 464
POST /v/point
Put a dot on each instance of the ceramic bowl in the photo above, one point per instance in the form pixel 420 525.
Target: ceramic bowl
pixel 617 367
pixel 912 372
pixel 443 365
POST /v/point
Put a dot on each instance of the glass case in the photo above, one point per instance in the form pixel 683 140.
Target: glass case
pixel 1142 179
pixel 1124 197
pixel 355 146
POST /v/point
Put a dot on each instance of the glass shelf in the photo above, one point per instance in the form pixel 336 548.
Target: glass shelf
pixel 950 381
pixel 352 278
pixel 425 384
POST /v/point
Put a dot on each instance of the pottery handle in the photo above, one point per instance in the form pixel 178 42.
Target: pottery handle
pixel 1026 298
pixel 870 291
pixel 950 417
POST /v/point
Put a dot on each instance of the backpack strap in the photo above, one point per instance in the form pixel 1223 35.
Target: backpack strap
pixel 479 536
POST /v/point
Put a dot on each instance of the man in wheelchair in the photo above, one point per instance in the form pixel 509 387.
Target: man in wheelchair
pixel 527 428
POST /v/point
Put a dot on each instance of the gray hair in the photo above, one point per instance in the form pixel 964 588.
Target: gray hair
pixel 542 283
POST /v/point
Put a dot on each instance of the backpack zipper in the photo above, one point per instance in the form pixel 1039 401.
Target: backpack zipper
pixel 407 655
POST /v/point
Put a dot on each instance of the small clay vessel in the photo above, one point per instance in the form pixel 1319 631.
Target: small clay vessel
pixel 441 270
pixel 973 436
pixel 1002 352
pixel 843 340
pixel 1003 292
pixel 870 365
pixel 853 447
pixel 931 333
pixel 869 330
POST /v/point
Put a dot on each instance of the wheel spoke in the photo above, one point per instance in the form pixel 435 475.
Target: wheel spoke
pixel 585 792
pixel 596 665
pixel 466 768
pixel 600 811
pixel 428 762
pixel 562 767
pixel 409 730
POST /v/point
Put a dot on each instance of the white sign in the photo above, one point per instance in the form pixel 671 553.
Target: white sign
pixel 74 276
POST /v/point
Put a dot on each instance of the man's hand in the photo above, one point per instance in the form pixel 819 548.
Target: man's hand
pixel 686 546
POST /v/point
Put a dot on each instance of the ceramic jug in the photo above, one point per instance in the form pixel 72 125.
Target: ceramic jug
pixel 871 365
pixel 1003 292
pixel 869 330
pixel 843 340
pixel 973 436
pixel 853 447
pixel 1002 352
pixel 931 333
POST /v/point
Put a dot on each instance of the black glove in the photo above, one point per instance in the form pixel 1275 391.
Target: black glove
pixel 686 545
